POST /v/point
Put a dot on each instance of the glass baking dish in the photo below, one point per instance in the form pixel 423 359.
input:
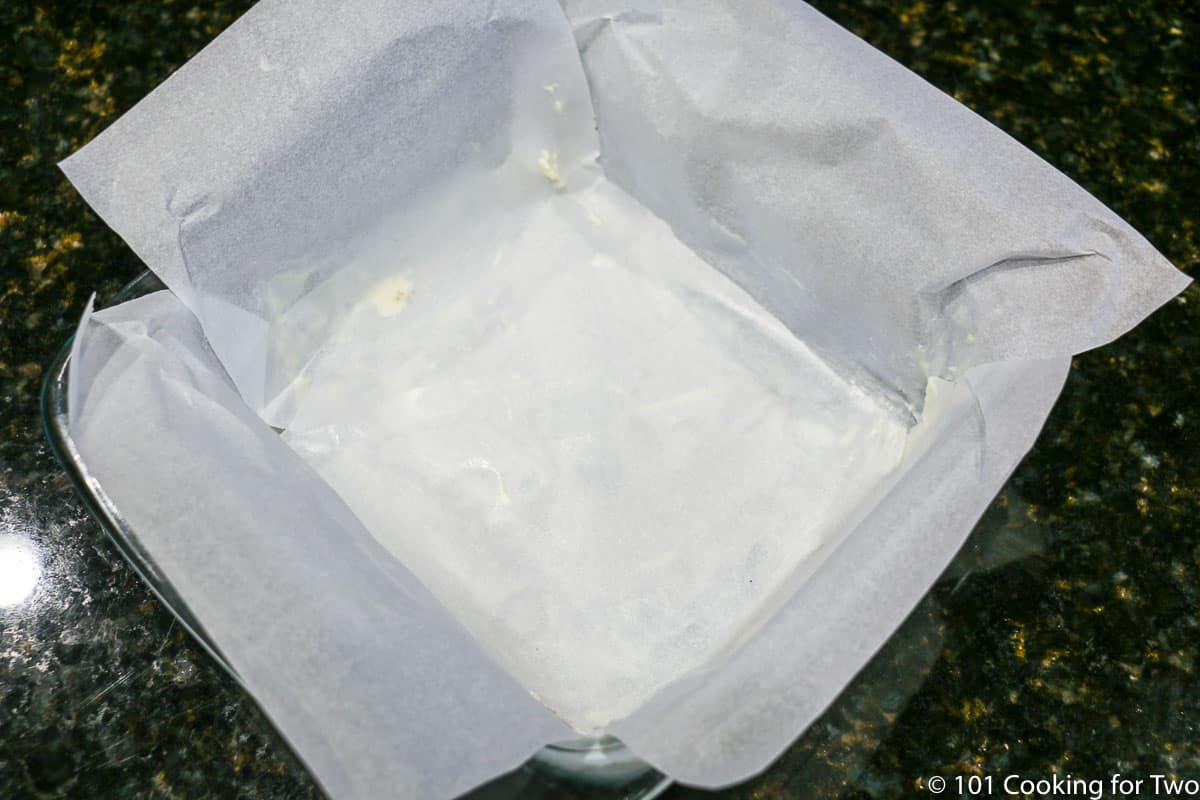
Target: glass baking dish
pixel 597 767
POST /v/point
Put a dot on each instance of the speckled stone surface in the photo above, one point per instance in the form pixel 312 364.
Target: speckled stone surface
pixel 1064 639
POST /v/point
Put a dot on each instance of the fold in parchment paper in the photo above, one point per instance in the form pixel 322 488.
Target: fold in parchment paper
pixel 639 367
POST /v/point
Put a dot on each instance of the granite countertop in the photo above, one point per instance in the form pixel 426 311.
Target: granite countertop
pixel 1064 639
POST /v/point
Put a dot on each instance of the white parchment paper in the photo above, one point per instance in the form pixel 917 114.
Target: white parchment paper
pixel 640 366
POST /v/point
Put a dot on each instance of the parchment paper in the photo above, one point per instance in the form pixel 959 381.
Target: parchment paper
pixel 933 264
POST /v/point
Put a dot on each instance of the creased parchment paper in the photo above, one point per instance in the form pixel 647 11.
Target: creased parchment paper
pixel 638 367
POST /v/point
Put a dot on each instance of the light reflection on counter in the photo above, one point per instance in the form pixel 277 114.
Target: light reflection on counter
pixel 19 569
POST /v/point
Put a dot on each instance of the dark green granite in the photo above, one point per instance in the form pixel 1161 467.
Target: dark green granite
pixel 1064 639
